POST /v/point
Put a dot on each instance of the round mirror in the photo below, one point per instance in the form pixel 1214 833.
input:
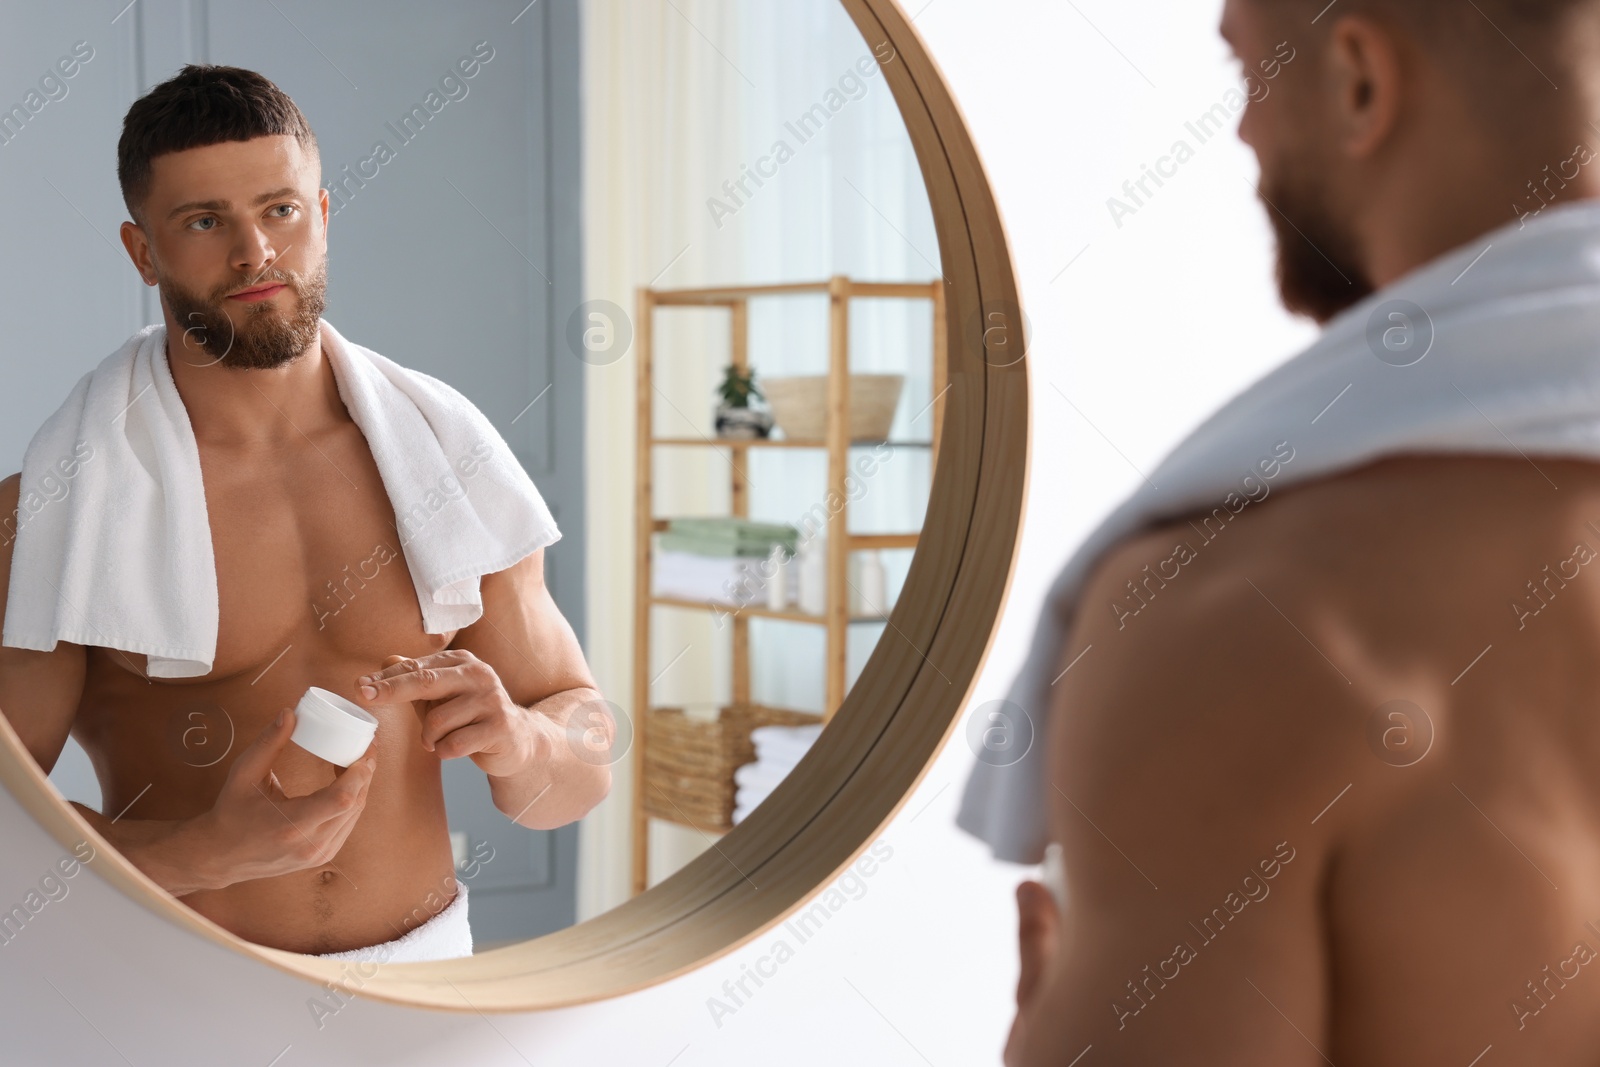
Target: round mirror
pixel 728 285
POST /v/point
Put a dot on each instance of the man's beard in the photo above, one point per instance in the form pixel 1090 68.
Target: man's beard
pixel 268 337
pixel 1319 272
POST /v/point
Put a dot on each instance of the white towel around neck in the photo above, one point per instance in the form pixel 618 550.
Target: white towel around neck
pixel 113 543
pixel 1513 368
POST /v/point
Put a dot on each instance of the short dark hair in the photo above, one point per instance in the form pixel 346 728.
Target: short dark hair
pixel 203 104
pixel 1500 53
pixel 1447 24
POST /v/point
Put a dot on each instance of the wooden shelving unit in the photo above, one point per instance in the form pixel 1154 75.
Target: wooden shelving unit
pixel 836 617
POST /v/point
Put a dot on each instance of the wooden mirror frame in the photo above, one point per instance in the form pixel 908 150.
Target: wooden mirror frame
pixel 893 722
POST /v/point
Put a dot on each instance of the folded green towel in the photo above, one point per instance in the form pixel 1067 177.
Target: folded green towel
pixel 729 536
pixel 702 546
pixel 733 528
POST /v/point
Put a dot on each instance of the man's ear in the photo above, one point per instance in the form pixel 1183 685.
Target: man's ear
pixel 138 246
pixel 1364 79
pixel 1038 927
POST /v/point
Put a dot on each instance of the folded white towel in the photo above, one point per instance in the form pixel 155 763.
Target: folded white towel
pixel 723 579
pixel 759 777
pixel 446 936
pixel 1513 367
pixel 748 798
pixel 117 553
pixel 783 745
pixel 783 756
pixel 778 750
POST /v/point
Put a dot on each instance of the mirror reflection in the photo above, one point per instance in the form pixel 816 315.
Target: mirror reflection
pixel 503 448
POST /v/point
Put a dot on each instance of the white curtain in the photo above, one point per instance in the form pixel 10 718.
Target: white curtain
pixel 850 201
pixel 682 101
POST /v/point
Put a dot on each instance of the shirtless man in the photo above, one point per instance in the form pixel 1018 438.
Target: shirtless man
pixel 1417 914
pixel 258 835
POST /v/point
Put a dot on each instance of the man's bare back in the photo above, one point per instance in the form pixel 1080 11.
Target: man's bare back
pixel 1328 795
pixel 1270 860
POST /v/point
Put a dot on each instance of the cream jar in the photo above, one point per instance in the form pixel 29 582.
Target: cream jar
pixel 329 726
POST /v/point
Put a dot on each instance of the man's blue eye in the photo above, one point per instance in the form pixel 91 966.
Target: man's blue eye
pixel 289 206
pixel 204 218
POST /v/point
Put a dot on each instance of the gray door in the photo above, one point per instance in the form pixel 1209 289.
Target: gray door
pixel 454 248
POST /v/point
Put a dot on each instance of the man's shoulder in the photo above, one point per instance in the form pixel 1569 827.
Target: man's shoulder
pixel 1351 541
pixel 1301 560
pixel 10 498
pixel 1208 653
pixel 1196 721
pixel 1319 602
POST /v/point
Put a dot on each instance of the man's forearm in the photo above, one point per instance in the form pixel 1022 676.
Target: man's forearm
pixel 161 848
pixel 569 770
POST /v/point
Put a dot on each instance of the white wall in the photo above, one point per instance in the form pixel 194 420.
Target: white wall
pixel 1152 327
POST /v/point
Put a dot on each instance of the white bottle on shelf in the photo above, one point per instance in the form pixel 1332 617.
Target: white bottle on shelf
pixel 873 581
pixel 777 580
pixel 813 568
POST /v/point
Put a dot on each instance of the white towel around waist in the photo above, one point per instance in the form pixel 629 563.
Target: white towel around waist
pixel 113 543
pixel 445 936
pixel 1509 348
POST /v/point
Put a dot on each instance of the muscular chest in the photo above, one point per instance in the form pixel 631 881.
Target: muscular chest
pixel 308 559
pixel 289 569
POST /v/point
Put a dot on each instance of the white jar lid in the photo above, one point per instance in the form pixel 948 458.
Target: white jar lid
pixel 329 726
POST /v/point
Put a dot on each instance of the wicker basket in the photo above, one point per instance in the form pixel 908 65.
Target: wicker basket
pixel 800 405
pixel 689 762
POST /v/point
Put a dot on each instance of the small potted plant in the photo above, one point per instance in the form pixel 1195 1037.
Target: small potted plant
pixel 735 417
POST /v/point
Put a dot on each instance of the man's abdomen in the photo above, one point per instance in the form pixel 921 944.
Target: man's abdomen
pixel 162 750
